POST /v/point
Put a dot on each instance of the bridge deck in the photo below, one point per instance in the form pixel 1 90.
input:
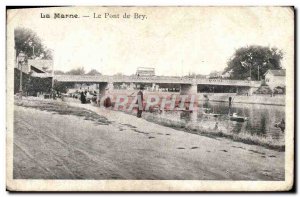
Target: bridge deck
pixel 153 79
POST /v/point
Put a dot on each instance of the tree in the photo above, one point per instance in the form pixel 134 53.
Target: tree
pixel 59 72
pixel 77 71
pixel 194 75
pixel 258 59
pixel 48 54
pixel 32 85
pixel 94 72
pixel 61 87
pixel 121 74
pixel 28 41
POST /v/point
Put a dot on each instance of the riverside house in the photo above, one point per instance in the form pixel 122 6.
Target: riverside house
pixel 275 78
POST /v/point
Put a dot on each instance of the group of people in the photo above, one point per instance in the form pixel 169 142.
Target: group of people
pixel 107 101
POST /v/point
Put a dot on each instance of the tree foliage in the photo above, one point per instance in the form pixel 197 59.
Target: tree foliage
pixel 26 40
pixel 258 58
pixel 59 72
pixel 61 87
pixel 31 85
pixel 77 71
pixel 94 72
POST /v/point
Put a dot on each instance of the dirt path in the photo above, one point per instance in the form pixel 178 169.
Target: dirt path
pixel 55 146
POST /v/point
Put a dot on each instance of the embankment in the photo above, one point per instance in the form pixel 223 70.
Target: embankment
pixel 253 99
pixel 218 97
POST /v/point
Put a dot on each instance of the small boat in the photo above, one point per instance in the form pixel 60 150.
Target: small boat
pixel 212 114
pixel 207 113
pixel 235 117
pixel 280 125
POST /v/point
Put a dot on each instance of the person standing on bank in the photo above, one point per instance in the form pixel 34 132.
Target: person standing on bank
pixel 140 103
pixel 82 98
pixel 230 103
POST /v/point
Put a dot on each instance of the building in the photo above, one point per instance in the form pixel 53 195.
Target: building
pixel 215 75
pixel 275 78
pixel 145 71
pixel 40 66
pixel 36 66
pixel 35 79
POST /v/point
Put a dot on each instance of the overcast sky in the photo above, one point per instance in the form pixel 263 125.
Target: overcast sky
pixel 175 41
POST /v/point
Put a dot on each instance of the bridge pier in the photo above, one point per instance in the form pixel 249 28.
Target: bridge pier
pixel 155 87
pixel 110 86
pixel 131 86
pixel 103 88
pixel 187 89
pixel 251 90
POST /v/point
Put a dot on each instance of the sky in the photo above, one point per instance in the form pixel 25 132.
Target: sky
pixel 173 40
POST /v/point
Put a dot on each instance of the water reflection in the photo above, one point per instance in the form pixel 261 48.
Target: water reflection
pixel 261 118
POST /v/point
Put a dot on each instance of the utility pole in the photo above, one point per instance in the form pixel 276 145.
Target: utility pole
pixel 21 75
pixel 52 78
pixel 258 73
pixel 251 62
pixel 32 45
pixel 20 60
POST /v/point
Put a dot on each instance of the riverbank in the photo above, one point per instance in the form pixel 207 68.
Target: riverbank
pixel 217 97
pixel 253 99
pixel 209 126
pixel 211 129
pixel 48 144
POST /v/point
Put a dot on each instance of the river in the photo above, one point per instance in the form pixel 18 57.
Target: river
pixel 261 118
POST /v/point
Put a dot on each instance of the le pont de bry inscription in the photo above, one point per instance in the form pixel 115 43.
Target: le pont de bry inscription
pixel 106 15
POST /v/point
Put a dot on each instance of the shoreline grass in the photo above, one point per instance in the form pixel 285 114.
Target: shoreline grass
pixel 246 138
pixel 63 109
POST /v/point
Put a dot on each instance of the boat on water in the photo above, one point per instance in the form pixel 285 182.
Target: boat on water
pixel 212 114
pixel 207 112
pixel 280 125
pixel 237 118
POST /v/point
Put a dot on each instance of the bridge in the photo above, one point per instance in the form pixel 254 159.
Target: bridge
pixel 187 85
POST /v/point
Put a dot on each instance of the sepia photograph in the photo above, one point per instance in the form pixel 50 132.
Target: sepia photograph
pixel 124 98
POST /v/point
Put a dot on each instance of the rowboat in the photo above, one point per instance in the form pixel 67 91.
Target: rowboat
pixel 235 117
pixel 211 114
pixel 207 113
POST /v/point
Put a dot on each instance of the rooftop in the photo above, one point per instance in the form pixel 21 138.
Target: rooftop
pixel 41 64
pixel 276 72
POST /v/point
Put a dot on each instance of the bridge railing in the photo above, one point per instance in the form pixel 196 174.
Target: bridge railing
pixel 81 78
pixel 228 81
pixel 168 79
pixel 153 79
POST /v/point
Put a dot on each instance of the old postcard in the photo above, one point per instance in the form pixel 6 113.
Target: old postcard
pixel 150 99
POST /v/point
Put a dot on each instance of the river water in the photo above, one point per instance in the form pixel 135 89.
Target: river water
pixel 261 118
